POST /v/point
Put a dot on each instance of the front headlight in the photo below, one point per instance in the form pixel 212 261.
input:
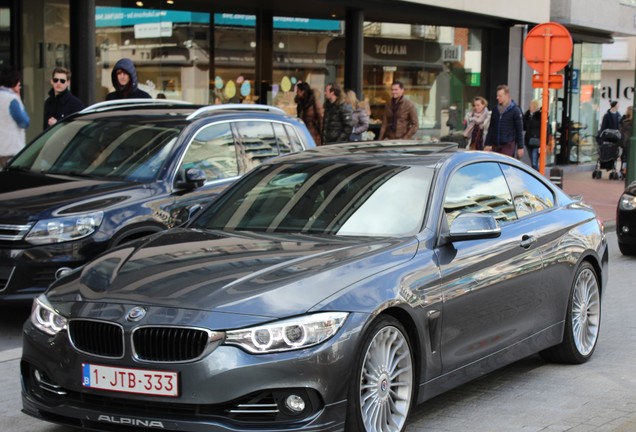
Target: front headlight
pixel 291 334
pixel 45 318
pixel 627 202
pixel 64 229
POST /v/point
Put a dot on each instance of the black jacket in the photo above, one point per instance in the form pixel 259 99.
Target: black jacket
pixel 130 91
pixel 611 120
pixel 506 127
pixel 338 122
pixel 532 125
pixel 61 106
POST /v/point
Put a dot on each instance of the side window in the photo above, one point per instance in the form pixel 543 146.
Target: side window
pixel 255 143
pixel 529 193
pixel 295 142
pixel 479 188
pixel 212 150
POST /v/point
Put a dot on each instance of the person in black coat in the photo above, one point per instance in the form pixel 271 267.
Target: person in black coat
pixel 124 78
pixel 612 118
pixel 61 102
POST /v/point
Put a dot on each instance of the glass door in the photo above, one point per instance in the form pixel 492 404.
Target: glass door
pixel 5 33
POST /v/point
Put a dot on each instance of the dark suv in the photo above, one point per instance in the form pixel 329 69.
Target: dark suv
pixel 121 170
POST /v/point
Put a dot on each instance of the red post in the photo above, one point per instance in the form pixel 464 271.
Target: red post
pixel 545 101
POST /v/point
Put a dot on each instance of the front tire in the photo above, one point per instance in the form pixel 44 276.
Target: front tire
pixel 627 249
pixel 382 386
pixel 583 320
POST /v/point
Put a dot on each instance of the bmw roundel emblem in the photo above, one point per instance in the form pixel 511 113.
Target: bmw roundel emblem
pixel 135 314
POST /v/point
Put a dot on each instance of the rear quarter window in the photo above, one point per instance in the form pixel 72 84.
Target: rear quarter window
pixel 530 195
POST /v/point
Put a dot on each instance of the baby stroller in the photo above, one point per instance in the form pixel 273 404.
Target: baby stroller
pixel 609 151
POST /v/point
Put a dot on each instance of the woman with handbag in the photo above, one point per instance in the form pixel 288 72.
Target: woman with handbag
pixel 532 126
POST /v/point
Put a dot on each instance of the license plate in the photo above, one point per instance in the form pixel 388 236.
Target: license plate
pixel 139 381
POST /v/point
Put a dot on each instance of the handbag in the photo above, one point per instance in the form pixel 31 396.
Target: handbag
pixel 534 142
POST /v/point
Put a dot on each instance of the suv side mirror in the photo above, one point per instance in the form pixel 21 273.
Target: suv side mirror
pixel 194 178
pixel 473 226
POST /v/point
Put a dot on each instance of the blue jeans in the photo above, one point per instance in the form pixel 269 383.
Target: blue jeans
pixel 533 153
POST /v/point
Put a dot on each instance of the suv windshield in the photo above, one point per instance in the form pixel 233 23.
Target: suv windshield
pixel 114 148
pixel 319 198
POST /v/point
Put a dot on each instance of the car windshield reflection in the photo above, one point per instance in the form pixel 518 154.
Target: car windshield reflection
pixel 101 148
pixel 324 199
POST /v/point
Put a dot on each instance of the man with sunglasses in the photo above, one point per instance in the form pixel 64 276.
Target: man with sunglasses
pixel 60 102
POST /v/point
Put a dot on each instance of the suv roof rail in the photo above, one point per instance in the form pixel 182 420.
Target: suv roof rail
pixel 100 106
pixel 235 107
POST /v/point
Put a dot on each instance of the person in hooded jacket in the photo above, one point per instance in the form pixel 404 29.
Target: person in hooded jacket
pixel 61 102
pixel 124 78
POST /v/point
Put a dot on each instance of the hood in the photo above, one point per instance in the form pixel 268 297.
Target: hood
pixel 250 274
pixel 28 196
pixel 128 66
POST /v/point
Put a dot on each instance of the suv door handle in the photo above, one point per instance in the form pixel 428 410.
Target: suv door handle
pixel 527 241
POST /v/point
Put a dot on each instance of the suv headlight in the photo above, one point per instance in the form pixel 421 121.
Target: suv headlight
pixel 291 334
pixel 627 202
pixel 65 228
pixel 45 318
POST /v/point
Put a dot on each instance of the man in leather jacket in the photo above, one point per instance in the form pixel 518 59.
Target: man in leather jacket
pixel 338 121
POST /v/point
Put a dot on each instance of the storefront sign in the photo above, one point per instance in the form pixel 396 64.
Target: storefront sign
pixel 574 84
pixel 122 17
pixel 452 53
pixel 153 30
pixel 391 49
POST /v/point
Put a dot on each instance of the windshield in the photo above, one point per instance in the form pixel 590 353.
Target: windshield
pixel 320 198
pixel 113 148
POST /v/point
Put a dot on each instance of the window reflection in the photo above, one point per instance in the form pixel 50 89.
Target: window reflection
pixel 479 188
pixel 212 151
pixel 530 194
pixel 365 200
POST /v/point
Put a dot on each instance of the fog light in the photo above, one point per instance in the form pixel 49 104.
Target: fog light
pixel 295 404
pixel 62 271
pixel 625 229
pixel 37 376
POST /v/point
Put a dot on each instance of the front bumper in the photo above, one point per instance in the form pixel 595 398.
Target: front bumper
pixel 28 271
pixel 214 390
pixel 626 226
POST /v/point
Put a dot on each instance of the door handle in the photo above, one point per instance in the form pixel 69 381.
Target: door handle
pixel 527 241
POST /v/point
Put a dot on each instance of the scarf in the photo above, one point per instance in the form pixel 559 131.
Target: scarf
pixel 476 118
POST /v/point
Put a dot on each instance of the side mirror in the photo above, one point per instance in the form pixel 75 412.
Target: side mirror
pixel 194 178
pixel 473 226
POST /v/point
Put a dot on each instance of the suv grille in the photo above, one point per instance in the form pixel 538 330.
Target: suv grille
pixel 97 338
pixel 171 344
pixel 13 232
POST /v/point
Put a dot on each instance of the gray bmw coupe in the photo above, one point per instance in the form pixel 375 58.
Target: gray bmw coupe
pixel 327 290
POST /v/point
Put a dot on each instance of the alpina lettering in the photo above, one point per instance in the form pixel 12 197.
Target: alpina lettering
pixel 131 421
pixel 390 49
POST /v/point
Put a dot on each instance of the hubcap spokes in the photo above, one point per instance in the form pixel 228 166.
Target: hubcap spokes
pixel 386 382
pixel 586 312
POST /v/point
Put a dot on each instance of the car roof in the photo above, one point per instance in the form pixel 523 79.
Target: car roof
pixel 177 110
pixel 406 152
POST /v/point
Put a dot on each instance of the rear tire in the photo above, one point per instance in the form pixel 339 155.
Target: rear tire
pixel 582 322
pixel 382 386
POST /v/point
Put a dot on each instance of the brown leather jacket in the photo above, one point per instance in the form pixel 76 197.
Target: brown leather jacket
pixel 406 123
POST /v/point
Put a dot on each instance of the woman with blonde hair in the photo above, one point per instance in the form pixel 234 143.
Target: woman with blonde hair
pixel 477 124
pixel 360 116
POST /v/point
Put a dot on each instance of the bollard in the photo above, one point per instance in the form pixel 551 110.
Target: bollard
pixel 556 176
